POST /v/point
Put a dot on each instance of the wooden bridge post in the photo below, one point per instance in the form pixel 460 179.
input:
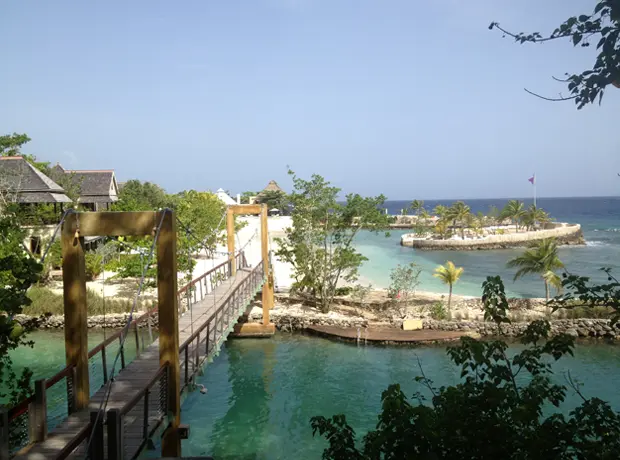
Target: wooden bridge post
pixel 230 232
pixel 169 329
pixel 268 286
pixel 38 412
pixel 74 290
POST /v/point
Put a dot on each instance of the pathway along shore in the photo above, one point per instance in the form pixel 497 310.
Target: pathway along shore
pixel 566 234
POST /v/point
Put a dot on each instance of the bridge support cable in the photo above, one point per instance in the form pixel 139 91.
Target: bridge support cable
pixel 104 401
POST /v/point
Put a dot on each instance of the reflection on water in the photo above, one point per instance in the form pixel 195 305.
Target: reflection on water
pixel 262 393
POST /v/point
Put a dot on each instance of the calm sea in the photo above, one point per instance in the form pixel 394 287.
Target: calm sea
pixel 599 218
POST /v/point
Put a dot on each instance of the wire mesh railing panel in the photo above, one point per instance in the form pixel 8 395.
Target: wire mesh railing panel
pixel 19 432
pixel 58 397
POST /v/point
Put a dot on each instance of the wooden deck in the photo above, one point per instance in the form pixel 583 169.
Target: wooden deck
pixel 133 379
pixel 386 335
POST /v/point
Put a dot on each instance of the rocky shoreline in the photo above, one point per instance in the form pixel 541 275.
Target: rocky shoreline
pixel 296 318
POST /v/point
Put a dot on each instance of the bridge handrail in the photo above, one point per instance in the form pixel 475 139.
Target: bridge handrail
pixel 256 269
pixel 67 372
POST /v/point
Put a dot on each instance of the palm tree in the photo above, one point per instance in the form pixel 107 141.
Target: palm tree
pixel 417 206
pixel 459 212
pixel 513 211
pixel 449 274
pixel 440 210
pixel 534 215
pixel 542 258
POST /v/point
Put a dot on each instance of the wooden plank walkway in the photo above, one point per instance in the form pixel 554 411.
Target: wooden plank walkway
pixel 133 379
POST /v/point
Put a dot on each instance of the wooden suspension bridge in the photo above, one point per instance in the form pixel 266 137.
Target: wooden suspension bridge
pixel 140 404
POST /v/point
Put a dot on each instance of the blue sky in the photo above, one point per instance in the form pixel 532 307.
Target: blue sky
pixel 413 99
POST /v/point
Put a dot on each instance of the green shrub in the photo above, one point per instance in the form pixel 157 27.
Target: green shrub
pixel 94 265
pixel 587 312
pixel 438 311
pixel 345 290
pixel 45 300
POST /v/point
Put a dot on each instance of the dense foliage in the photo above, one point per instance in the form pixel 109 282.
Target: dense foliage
pixel 494 412
pixel 319 244
pixel 274 199
pixel 142 196
pixel 602 28
pixel 580 292
pixel 459 218
pixel 18 271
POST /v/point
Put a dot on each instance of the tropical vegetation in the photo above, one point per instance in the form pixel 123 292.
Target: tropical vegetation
pixel 319 244
pixel 458 217
pixel 18 272
pixel 507 405
pixel 448 274
pixel 540 259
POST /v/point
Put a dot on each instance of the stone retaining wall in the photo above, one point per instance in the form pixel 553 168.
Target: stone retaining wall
pixel 568 234
pixel 112 321
pixel 595 328
pixel 582 328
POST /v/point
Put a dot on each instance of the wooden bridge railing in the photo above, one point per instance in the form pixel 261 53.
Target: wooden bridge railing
pixel 149 406
pixel 28 420
pixel 209 335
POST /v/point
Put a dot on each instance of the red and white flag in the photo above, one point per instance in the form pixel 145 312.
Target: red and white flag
pixel 532 179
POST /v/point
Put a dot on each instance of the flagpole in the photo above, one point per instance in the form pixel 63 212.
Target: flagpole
pixel 534 189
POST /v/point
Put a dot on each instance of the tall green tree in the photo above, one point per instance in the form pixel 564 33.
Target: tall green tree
pixel 202 212
pixel 11 146
pixel 274 199
pixel 514 211
pixel 459 213
pixel 142 196
pixel 600 28
pixel 448 274
pixel 319 244
pixel 540 259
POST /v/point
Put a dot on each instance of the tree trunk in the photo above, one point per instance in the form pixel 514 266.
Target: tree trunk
pixel 450 302
pixel 547 290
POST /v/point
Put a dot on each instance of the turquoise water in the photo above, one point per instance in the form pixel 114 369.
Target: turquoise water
pixel 599 218
pixel 47 357
pixel 262 393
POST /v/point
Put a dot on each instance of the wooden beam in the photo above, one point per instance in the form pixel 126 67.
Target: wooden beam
pixel 169 328
pixel 230 232
pixel 74 294
pixel 267 296
pixel 118 223
pixel 253 209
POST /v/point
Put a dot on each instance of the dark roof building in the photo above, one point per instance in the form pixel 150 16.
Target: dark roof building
pixel 96 188
pixel 26 184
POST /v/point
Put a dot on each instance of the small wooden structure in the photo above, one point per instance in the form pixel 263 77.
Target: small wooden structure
pixel 76 227
pixel 253 329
